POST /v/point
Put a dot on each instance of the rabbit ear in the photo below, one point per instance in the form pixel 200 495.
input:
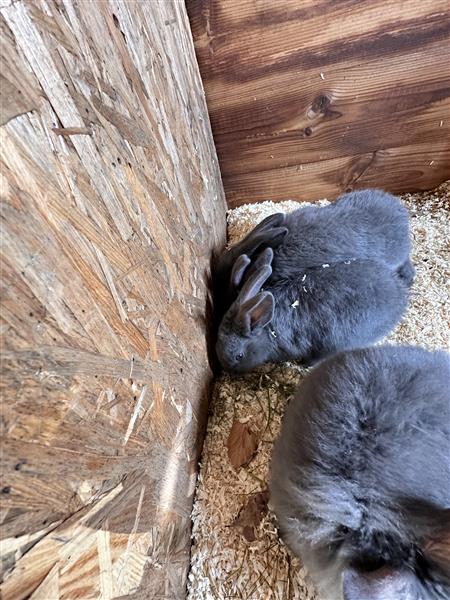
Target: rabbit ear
pixel 253 284
pixel 270 232
pixel 270 225
pixel 275 220
pixel 383 583
pixel 265 258
pixel 272 237
pixel 238 270
pixel 257 312
pixel 436 548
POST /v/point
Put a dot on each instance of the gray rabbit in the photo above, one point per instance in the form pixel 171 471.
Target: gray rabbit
pixel 338 278
pixel 318 312
pixel 367 224
pixel 360 477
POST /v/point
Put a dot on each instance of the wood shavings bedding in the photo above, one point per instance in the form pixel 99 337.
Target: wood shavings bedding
pixel 224 563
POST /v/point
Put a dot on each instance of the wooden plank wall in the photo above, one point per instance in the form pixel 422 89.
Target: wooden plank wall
pixel 309 98
pixel 111 205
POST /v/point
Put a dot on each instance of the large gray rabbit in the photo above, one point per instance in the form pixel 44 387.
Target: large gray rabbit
pixel 346 305
pixel 360 480
pixel 338 278
pixel 368 224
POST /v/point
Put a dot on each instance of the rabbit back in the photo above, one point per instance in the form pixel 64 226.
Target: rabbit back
pixel 368 224
pixel 361 468
pixel 340 307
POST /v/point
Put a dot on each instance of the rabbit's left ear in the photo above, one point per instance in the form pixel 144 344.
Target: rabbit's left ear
pixel 238 270
pixel 258 311
pixel 254 309
pixel 436 548
pixel 264 259
pixel 381 584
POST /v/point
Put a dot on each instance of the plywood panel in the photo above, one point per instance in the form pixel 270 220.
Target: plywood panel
pixel 111 206
pixel 305 84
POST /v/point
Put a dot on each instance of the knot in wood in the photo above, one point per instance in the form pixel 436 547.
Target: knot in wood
pixel 319 106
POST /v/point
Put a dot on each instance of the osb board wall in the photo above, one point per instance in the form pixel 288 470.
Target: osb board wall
pixel 111 206
pixel 309 98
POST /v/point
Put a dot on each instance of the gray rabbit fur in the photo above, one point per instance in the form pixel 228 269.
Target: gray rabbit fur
pixel 368 224
pixel 339 280
pixel 345 306
pixel 360 476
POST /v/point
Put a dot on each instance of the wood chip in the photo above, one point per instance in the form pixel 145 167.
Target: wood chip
pixel 242 443
pixel 251 515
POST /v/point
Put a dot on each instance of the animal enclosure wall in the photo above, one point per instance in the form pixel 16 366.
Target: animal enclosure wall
pixel 309 98
pixel 111 206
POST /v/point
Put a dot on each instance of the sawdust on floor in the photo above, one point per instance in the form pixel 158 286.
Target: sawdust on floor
pixel 224 564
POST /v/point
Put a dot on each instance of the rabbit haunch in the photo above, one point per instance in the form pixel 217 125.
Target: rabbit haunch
pixel 360 478
pixel 337 278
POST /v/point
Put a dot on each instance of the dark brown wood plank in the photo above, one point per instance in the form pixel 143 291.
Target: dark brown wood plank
pixel 294 83
pixel 421 167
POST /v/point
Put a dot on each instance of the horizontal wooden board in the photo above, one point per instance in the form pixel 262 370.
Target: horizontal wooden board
pixel 295 83
pixel 111 206
pixel 327 179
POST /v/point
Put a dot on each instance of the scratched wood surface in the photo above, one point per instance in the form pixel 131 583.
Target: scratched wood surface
pixel 111 206
pixel 309 98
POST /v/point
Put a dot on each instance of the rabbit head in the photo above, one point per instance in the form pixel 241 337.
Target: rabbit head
pixel 243 338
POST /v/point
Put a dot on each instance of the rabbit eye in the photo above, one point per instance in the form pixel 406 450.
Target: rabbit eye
pixel 239 356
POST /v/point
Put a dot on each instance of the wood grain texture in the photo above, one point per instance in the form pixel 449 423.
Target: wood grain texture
pixel 111 206
pixel 310 98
